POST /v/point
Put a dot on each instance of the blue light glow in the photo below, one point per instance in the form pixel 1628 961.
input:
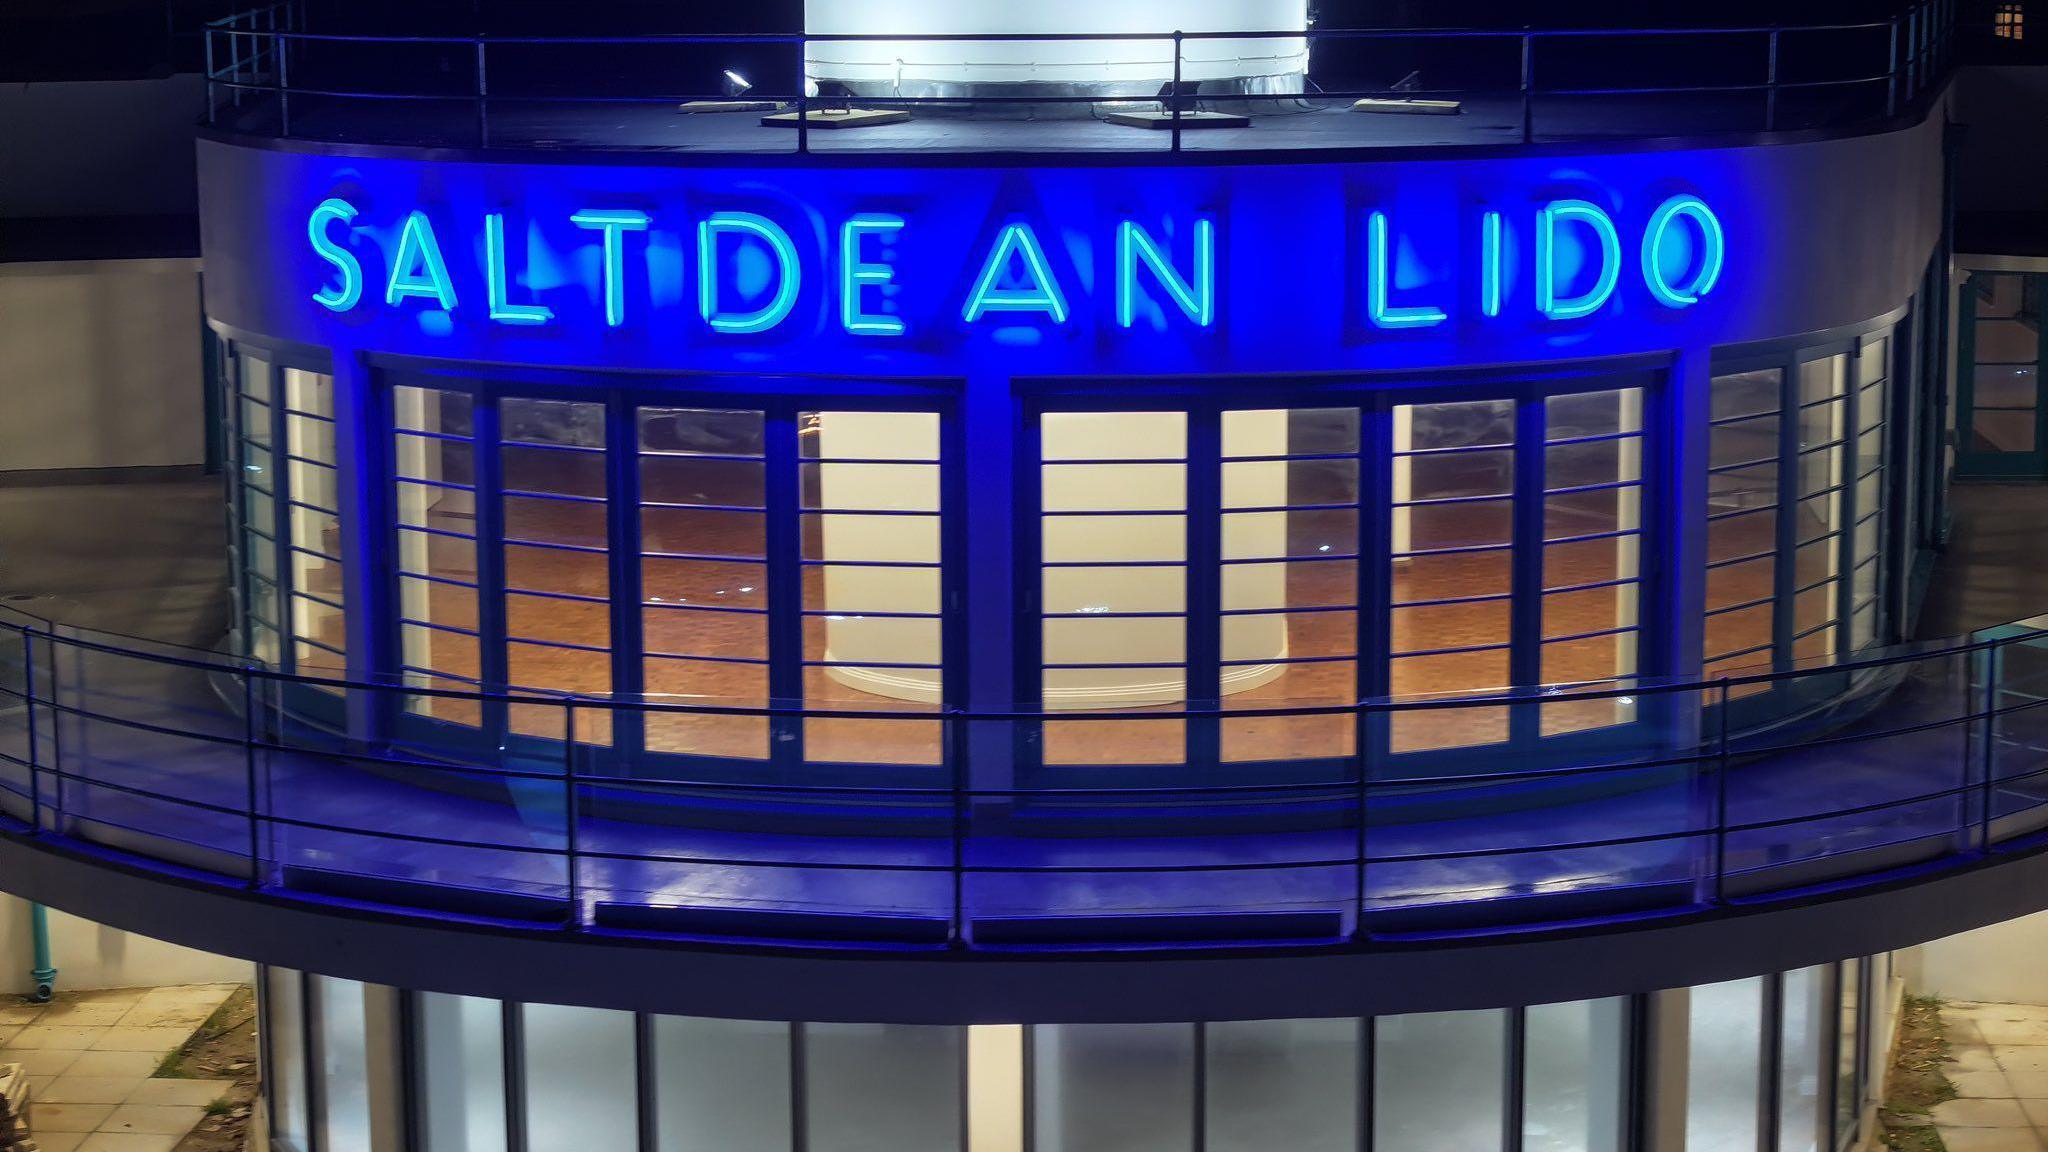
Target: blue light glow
pixel 789 272
pixel 349 292
pixel 614 223
pixel 1490 256
pixel 1376 277
pixel 1708 254
pixel 494 279
pixel 1196 300
pixel 1043 294
pixel 416 245
pixel 856 275
pixel 1547 262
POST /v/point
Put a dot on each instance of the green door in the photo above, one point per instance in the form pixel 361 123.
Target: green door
pixel 2001 419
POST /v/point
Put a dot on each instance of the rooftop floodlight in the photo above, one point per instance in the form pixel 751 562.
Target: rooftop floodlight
pixel 736 88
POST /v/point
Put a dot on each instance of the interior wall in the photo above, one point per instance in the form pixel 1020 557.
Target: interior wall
pixel 89 955
pixel 2002 963
pixel 101 364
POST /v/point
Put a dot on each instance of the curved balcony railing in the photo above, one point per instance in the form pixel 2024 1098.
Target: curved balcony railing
pixel 270 73
pixel 1910 760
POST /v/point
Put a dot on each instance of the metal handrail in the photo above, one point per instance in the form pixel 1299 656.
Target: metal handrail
pixel 1915 52
pixel 1697 834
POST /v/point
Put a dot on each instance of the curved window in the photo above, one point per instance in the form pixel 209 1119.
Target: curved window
pixel 721 554
pixel 287 516
pixel 1407 542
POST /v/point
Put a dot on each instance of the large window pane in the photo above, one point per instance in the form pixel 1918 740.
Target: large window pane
pixel 721 1085
pixel 1849 1050
pixel 1725 1048
pixel 1574 1074
pixel 580 1079
pixel 284 1013
pixel 1438 1082
pixel 1282 1084
pixel 462 1073
pixel 882 1088
pixel 1113 1087
pixel 1803 1046
pixel 343 1047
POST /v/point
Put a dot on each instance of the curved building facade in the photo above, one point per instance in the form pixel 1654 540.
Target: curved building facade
pixel 1004 636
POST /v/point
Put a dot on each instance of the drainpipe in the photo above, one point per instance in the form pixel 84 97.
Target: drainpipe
pixel 44 973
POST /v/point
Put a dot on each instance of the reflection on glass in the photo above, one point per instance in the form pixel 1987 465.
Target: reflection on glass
pixel 343 1044
pixel 882 1088
pixel 462 1087
pixel 1574 1069
pixel 434 506
pixel 1849 1047
pixel 284 1076
pixel 2005 380
pixel 1289 1084
pixel 1592 562
pixel 580 1077
pixel 721 1085
pixel 556 557
pixel 1803 1046
pixel 1724 1039
pixel 1113 1087
pixel 1438 1081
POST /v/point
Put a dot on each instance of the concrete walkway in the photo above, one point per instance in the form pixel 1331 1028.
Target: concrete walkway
pixel 92 1058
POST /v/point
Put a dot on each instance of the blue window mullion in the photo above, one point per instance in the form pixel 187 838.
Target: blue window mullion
pixel 494 662
pixel 1525 615
pixel 783 497
pixel 622 514
pixel 1204 620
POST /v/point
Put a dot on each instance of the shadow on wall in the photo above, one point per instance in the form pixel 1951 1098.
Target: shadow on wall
pixel 89 955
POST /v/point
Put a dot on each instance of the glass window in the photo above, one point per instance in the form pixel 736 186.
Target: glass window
pixel 1113 1087
pixel 721 1085
pixel 1867 542
pixel 1822 478
pixel 1452 549
pixel 435 510
pixel 1725 1051
pixel 1439 1082
pixel 873 620
pixel 1282 1084
pixel 882 1088
pixel 1113 555
pixel 284 1013
pixel 1575 1072
pixel 581 1079
pixel 254 452
pixel 1288 632
pixel 342 1043
pixel 2005 373
pixel 1592 562
pixel 1802 1044
pixel 462 1073
pixel 313 524
pixel 1742 521
pixel 1849 1052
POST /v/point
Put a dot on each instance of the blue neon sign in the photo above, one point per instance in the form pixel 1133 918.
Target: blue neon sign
pixel 750 270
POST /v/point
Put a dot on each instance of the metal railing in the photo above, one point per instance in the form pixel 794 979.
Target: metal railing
pixel 212 766
pixel 268 73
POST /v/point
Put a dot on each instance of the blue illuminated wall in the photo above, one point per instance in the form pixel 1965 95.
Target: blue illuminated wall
pixel 1203 266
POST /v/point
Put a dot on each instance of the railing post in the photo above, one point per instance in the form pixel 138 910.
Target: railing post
pixel 1721 763
pixel 249 770
pixel 279 46
pixel 1991 663
pixel 803 95
pixel 483 96
pixel 1174 90
pixel 569 837
pixel 35 760
pixel 1891 80
pixel 1771 87
pixel 960 739
pixel 207 36
pixel 1528 87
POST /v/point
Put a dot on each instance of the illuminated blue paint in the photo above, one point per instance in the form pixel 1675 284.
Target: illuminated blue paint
pixel 1490 272
pixel 614 223
pixel 1196 299
pixel 347 294
pixel 1376 277
pixel 416 245
pixel 1708 256
pixel 1043 294
pixel 856 275
pixel 494 279
pixel 1588 302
